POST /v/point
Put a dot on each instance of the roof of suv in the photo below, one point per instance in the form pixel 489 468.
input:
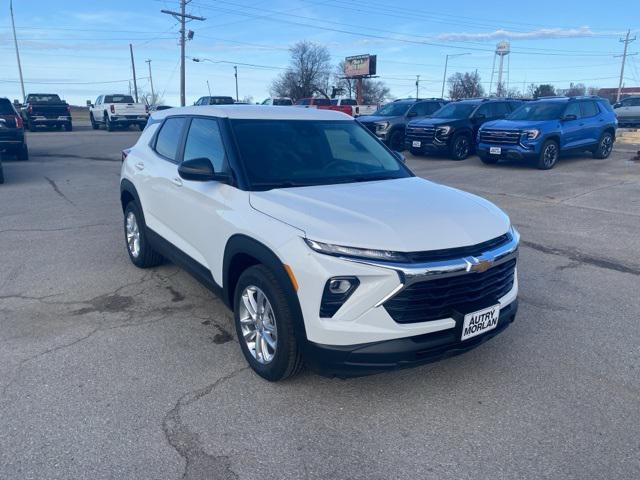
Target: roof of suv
pixel 255 112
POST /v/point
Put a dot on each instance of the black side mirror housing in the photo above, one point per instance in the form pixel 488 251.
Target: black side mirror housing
pixel 617 105
pixel 200 170
pixel 399 156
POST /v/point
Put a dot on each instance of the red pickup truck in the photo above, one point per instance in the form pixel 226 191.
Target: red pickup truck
pixel 324 104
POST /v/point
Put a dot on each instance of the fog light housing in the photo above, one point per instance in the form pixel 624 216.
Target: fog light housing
pixel 337 291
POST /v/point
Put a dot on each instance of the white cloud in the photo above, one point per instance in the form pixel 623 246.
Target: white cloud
pixel 501 34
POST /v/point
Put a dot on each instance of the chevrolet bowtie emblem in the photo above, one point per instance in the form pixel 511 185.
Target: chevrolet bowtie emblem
pixel 479 266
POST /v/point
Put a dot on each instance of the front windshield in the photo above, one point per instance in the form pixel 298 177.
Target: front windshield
pixel 455 110
pixel 294 153
pixel 538 111
pixel 393 110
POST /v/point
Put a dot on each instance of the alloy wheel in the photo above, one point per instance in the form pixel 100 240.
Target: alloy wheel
pixel 550 155
pixel 133 235
pixel 258 324
pixel 462 148
pixel 606 146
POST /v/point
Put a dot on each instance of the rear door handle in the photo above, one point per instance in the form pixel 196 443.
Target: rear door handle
pixel 177 182
pixel 140 166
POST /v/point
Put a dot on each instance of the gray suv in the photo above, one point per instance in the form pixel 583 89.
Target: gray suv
pixel 390 121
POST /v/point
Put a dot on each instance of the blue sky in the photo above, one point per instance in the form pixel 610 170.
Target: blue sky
pixel 68 46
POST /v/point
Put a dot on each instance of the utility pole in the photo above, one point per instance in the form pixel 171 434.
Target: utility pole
pixel 208 88
pixel 15 41
pixel 235 68
pixel 182 17
pixel 624 55
pixel 133 67
pixel 417 87
pixel 446 64
pixel 153 94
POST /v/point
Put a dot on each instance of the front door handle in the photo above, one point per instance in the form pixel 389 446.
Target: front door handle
pixel 140 166
pixel 177 182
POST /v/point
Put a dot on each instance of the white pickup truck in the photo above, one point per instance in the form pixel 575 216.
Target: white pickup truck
pixel 356 110
pixel 117 110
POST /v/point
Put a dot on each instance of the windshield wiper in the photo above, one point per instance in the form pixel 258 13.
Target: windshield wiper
pixel 283 184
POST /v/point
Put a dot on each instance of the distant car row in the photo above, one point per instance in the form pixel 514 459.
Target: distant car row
pixel 496 129
pixel 12 139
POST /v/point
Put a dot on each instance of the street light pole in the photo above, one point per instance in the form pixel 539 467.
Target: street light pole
pixel 153 94
pixel 15 41
pixel 235 68
pixel 446 64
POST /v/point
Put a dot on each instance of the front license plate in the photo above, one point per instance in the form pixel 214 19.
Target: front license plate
pixel 482 321
pixel 495 150
pixel 416 144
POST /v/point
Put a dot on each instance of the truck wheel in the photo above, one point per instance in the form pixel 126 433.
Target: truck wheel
pixel 108 123
pixel 264 325
pixel 94 125
pixel 460 147
pixel 396 141
pixel 32 126
pixel 68 127
pixel 135 234
pixel 605 146
pixel 22 153
pixel 549 154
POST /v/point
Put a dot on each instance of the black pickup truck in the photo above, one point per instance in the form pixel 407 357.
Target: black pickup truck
pixel 46 109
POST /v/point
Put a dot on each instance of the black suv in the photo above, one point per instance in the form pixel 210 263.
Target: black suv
pixel 12 140
pixel 390 121
pixel 215 101
pixel 452 129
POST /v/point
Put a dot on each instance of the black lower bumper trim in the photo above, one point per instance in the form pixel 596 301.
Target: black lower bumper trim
pixel 370 358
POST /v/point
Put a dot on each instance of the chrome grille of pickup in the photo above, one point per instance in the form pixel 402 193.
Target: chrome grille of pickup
pixel 508 137
pixel 436 299
pixel 424 134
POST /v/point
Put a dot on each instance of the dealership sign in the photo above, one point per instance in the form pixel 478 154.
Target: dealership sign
pixel 360 66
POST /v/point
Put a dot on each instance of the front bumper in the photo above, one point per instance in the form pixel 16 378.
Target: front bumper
pixel 376 357
pixel 529 151
pixel 433 145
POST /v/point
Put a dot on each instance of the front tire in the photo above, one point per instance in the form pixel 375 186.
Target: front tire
pixel 94 125
pixel 549 154
pixel 396 141
pixel 605 146
pixel 460 147
pixel 141 253
pixel 264 325
pixel 23 153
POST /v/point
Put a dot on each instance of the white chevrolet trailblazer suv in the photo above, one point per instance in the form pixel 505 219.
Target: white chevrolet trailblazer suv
pixel 325 246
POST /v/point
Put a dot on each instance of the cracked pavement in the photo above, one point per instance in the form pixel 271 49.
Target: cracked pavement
pixel 107 371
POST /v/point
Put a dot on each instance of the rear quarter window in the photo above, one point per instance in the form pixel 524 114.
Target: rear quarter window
pixel 6 108
pixel 169 136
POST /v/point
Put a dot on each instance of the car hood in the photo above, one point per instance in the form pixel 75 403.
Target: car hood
pixel 434 121
pixel 406 215
pixel 376 118
pixel 516 124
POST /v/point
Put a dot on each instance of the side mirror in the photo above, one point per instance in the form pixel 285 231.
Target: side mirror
pixel 570 117
pixel 199 170
pixel 89 104
pixel 617 105
pixel 412 114
pixel 479 116
pixel 400 156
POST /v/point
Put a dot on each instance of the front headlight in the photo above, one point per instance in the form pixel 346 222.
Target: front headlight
pixel 443 131
pixel 381 126
pixel 364 253
pixel 530 134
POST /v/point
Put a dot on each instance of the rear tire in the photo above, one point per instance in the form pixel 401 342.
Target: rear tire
pixel 68 127
pixel 460 147
pixel 272 321
pixel 605 146
pixel 141 253
pixel 32 127
pixel 22 153
pixel 108 123
pixel 549 154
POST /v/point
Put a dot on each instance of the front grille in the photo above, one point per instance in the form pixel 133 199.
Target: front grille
pixel 370 125
pixel 436 299
pixel 424 134
pixel 458 252
pixel 505 137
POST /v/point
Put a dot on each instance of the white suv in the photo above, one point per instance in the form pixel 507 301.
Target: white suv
pixel 322 242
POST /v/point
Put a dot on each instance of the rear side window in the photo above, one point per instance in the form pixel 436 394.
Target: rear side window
pixel 204 141
pixel 169 136
pixel 589 109
pixel 5 107
pixel 573 109
pixel 282 101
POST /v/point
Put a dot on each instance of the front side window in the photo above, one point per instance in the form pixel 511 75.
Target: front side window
pixel 291 153
pixel 169 136
pixel 455 110
pixel 538 111
pixel 393 110
pixel 420 109
pixel 204 141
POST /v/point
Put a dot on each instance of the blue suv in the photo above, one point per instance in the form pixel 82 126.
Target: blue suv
pixel 543 129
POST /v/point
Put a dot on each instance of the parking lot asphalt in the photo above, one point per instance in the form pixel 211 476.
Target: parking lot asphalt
pixel 107 371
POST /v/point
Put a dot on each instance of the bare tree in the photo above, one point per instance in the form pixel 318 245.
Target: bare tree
pixel 374 92
pixel 576 90
pixel 148 99
pixel 465 85
pixel 308 74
